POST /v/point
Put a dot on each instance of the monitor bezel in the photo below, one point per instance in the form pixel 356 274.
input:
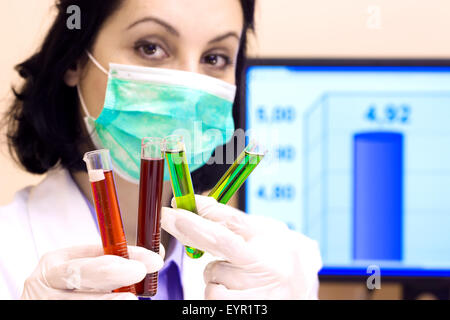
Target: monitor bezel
pixel 338 62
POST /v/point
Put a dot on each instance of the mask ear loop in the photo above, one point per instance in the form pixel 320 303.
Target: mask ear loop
pixel 97 64
pixel 80 96
pixel 83 104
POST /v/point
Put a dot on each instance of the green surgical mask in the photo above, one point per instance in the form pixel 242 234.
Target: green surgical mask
pixel 154 102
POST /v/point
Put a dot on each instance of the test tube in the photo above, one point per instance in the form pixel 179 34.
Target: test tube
pixel 101 177
pixel 239 171
pixel 149 212
pixel 180 177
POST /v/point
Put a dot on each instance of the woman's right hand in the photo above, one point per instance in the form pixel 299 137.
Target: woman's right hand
pixel 84 272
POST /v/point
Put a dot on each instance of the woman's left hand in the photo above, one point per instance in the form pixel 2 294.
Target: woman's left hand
pixel 262 258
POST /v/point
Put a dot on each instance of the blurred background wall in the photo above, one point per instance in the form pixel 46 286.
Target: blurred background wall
pixel 285 28
pixel 354 28
pixel 23 24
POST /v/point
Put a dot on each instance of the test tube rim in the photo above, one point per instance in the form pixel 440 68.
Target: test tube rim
pixel 99 151
pixel 103 154
pixel 182 146
pixel 162 142
pixel 263 153
pixel 253 143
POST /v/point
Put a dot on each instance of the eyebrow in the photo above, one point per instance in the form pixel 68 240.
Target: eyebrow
pixel 226 35
pixel 173 31
pixel 165 25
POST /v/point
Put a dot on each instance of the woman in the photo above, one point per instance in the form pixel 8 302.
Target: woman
pixel 65 83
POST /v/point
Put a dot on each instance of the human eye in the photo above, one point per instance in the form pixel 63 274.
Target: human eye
pixel 150 50
pixel 217 61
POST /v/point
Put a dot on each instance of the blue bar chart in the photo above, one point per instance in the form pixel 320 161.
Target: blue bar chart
pixel 360 163
pixel 377 196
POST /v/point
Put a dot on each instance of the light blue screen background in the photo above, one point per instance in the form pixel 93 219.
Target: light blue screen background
pixel 310 115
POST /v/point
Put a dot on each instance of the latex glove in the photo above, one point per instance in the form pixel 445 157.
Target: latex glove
pixel 262 258
pixel 84 272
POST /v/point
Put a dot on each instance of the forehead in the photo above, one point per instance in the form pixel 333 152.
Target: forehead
pixel 203 17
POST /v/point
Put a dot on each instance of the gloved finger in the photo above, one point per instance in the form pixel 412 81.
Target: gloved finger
pixel 220 292
pixel 232 218
pixel 243 224
pixel 205 204
pixel 152 261
pixel 84 252
pixel 73 253
pixel 236 277
pixel 210 209
pixel 192 230
pixel 162 251
pixel 104 273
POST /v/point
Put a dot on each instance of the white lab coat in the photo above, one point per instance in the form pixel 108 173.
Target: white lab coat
pixel 54 215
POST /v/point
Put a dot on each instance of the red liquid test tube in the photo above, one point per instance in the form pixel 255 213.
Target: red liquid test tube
pixel 149 212
pixel 107 207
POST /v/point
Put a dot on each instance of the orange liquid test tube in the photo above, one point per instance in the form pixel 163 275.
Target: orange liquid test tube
pixel 107 207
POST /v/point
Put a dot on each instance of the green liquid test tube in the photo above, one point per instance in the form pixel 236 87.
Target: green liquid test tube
pixel 239 171
pixel 180 177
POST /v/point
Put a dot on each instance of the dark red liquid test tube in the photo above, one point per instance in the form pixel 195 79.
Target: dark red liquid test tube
pixel 149 212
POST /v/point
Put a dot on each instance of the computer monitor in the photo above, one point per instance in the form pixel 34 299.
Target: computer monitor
pixel 360 160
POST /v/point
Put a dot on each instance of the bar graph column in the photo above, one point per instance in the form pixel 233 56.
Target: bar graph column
pixel 377 196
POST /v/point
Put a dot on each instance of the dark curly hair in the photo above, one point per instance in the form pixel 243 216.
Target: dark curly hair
pixel 43 122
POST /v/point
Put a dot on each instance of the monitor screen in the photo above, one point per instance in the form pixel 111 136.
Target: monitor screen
pixel 359 160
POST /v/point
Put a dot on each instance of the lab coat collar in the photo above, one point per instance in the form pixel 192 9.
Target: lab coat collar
pixel 59 215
